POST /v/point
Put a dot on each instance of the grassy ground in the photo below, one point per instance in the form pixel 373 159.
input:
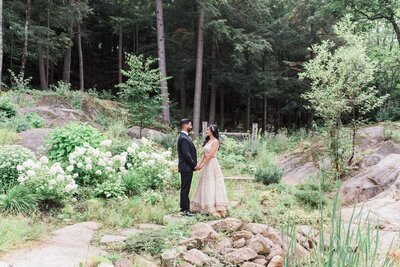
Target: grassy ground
pixel 20 231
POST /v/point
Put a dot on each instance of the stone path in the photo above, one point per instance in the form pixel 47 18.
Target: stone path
pixel 68 247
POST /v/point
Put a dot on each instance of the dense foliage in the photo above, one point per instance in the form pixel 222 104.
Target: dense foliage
pixel 10 157
pixel 63 141
pixel 253 51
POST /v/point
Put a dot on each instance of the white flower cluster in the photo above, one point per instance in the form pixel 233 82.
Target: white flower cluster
pixel 46 177
pixel 147 155
pixel 91 161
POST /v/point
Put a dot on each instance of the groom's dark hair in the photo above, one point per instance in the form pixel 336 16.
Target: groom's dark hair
pixel 184 121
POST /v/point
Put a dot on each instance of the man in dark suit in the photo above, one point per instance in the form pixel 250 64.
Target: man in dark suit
pixel 187 164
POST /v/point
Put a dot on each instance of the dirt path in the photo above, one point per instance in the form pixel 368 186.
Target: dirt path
pixel 68 247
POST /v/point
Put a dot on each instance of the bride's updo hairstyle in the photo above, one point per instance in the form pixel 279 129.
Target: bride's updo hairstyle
pixel 214 130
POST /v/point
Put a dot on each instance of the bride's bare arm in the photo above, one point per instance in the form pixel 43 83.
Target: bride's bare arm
pixel 203 157
pixel 207 158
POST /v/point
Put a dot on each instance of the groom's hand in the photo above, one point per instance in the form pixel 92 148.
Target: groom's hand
pixel 197 167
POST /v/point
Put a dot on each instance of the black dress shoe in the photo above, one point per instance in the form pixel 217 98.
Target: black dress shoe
pixel 188 213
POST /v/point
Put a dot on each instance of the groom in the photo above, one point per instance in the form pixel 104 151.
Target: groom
pixel 187 164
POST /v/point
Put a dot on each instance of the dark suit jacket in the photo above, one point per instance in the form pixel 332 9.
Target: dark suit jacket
pixel 186 153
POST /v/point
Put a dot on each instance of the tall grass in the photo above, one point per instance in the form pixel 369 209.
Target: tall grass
pixel 18 199
pixel 18 231
pixel 353 244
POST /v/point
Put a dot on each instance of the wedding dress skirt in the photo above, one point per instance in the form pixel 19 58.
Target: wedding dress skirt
pixel 210 195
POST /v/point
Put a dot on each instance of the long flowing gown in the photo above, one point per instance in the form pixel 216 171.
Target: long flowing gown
pixel 210 195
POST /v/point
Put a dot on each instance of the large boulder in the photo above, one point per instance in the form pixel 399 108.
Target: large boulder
pixel 171 257
pixel 260 244
pixel 240 255
pixel 226 225
pixel 57 116
pixel 371 181
pixel 203 233
pixel 302 163
pixel 369 137
pixel 34 139
pixel 276 261
pixel 137 133
pixel 382 210
pixel 196 257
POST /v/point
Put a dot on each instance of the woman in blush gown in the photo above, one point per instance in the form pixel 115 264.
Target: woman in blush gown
pixel 210 196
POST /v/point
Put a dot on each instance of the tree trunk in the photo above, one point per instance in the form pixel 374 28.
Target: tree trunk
pixel 182 89
pixel 42 69
pixel 26 33
pixel 213 95
pixel 67 57
pixel 47 49
pixel 395 27
pixel 248 103
pixel 1 41
pixel 204 97
pixel 265 118
pixel 136 39
pixel 161 60
pixel 81 76
pixel 120 44
pixel 222 107
pixel 199 71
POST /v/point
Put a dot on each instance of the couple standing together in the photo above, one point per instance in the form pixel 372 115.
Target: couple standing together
pixel 210 195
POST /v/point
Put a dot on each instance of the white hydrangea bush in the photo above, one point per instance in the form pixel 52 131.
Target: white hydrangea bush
pixel 154 163
pixel 50 182
pixel 96 165
pixel 10 157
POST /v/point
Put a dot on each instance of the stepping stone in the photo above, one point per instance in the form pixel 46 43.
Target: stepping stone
pixel 112 239
pixel 104 264
pixel 67 247
pixel 172 219
pixel 129 231
pixel 149 226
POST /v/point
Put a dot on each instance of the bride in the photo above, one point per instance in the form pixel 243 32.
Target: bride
pixel 210 196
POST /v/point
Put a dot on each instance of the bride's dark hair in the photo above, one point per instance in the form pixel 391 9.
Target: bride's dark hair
pixel 214 130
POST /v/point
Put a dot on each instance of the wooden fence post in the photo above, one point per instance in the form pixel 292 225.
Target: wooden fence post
pixel 204 128
pixel 254 132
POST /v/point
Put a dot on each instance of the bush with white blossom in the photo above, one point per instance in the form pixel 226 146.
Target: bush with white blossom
pixel 96 165
pixel 155 164
pixel 50 182
pixel 10 157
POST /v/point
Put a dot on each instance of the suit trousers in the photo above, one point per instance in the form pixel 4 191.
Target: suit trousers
pixel 186 182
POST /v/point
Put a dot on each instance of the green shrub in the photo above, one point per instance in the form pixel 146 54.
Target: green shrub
pixel 19 82
pixel 18 199
pixel 22 122
pixel 310 197
pixel 269 175
pixel 10 157
pixel 63 141
pixel 64 89
pixel 134 183
pixel 35 120
pixel 8 136
pixel 19 123
pixel 110 189
pixel 7 107
pixel 152 197
pixel 155 242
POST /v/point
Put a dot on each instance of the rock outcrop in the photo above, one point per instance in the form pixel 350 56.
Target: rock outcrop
pixel 230 242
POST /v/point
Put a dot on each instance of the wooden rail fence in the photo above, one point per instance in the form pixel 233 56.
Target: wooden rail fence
pixel 252 135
